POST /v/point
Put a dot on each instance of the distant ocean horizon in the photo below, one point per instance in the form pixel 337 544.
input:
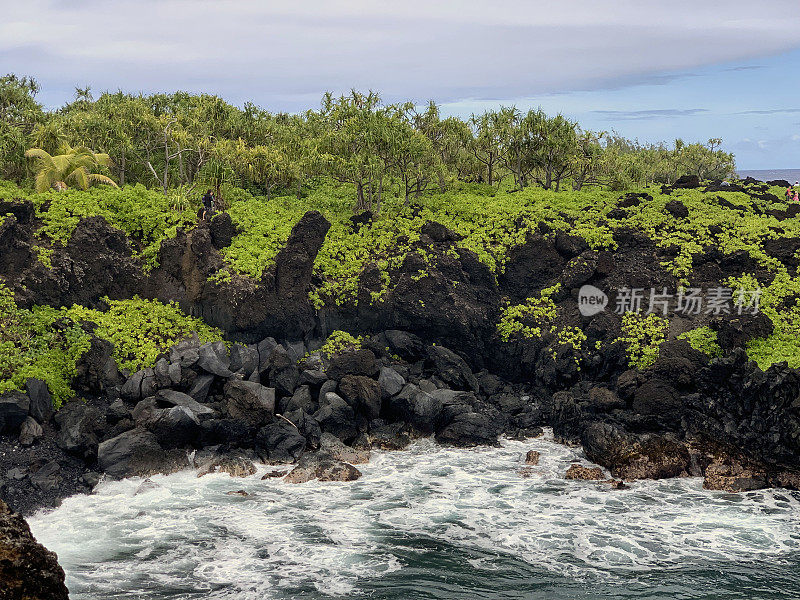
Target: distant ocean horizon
pixel 790 175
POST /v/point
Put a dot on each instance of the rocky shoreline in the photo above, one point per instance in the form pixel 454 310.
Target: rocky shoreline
pixel 431 363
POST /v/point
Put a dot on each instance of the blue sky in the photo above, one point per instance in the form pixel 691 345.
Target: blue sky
pixel 649 69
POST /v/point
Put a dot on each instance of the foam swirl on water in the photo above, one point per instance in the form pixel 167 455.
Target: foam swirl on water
pixel 440 515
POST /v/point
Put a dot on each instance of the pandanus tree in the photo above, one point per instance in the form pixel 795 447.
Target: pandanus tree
pixel 72 167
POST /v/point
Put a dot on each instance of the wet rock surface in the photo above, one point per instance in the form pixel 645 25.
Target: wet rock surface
pixel 28 571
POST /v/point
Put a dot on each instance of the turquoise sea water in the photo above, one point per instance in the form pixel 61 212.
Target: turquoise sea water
pixel 425 523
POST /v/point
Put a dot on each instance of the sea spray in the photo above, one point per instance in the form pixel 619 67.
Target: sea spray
pixel 426 522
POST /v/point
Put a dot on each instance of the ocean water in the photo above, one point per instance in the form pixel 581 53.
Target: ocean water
pixel 790 175
pixel 427 523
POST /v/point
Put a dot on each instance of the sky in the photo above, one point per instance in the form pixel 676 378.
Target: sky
pixel 654 70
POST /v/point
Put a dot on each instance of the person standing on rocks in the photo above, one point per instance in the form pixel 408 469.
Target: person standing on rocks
pixel 207 211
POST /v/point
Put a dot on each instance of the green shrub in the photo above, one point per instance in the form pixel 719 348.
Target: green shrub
pixel 527 320
pixel 703 339
pixel 38 343
pixel 642 336
pixel 142 329
pixel 46 343
pixel 339 342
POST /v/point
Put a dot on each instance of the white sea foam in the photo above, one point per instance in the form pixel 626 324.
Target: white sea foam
pixel 187 538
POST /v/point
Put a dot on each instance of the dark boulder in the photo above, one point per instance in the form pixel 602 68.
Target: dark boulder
pixel 222 230
pixel 687 182
pixel 249 402
pixel 201 386
pixel 174 427
pixel 337 417
pixel 41 407
pixel 471 429
pixel 214 359
pixel 355 362
pixel 629 456
pixel 80 428
pixel 452 369
pixel 28 570
pixel 171 398
pixel 29 432
pixel 280 442
pixel 322 467
pixel 390 382
pixel 362 393
pixel 14 409
pixel 734 331
pixel 96 371
pixel 137 452
pixel 244 360
pixel 677 209
pixel 283 372
pixel 405 345
pixel 439 233
pixel 231 432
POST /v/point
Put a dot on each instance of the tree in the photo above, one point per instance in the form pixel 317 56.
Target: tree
pixel 19 115
pixel 485 145
pixel 556 143
pixel 354 128
pixel 73 167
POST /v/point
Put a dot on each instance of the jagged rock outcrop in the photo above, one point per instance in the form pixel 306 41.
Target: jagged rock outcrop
pixel 28 570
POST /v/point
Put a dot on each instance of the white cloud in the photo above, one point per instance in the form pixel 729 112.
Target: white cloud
pixel 286 51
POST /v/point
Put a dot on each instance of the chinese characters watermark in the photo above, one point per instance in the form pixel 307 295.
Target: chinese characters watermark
pixel 687 301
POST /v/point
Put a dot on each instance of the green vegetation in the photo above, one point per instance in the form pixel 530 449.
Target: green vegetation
pixel 142 329
pixel 144 215
pixel 339 342
pixel 38 343
pixel 528 319
pixel 494 179
pixel 703 339
pixel 72 167
pixel 780 301
pixel 642 336
pixel 168 141
pixel 46 343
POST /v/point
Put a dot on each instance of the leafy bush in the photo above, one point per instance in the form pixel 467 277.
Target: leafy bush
pixel 46 343
pixel 703 339
pixel 642 336
pixel 38 343
pixel 146 216
pixel 338 342
pixel 527 320
pixel 142 329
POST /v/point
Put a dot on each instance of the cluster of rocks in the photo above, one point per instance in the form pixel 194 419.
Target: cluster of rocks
pixel 217 407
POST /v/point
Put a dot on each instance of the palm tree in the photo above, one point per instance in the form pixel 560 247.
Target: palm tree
pixel 73 167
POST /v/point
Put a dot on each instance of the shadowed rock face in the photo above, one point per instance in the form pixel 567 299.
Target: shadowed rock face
pixel 28 570
pixel 276 305
pixel 97 261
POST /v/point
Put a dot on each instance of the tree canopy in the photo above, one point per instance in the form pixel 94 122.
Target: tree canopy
pixel 182 141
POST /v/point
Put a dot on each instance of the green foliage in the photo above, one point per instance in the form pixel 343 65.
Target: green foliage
pixel 527 320
pixel 73 167
pixel 703 339
pixel 46 343
pixel 339 342
pixel 38 343
pixel 142 329
pixel 780 301
pixel 144 215
pixel 642 336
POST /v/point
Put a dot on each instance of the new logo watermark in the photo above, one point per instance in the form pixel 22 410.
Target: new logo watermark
pixel 688 301
pixel 591 300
